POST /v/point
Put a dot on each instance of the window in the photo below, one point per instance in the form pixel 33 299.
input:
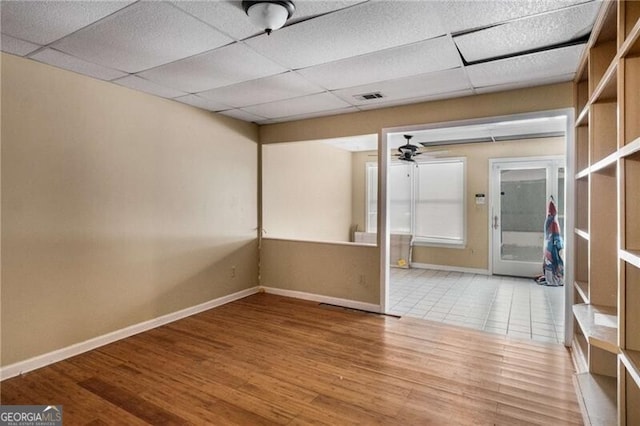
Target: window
pixel 426 199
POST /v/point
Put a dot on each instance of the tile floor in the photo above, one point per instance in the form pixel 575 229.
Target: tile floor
pixel 515 307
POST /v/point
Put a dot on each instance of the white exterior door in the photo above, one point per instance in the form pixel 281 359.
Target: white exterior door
pixel 521 189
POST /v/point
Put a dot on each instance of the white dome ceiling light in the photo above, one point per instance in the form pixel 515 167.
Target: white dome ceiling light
pixel 269 15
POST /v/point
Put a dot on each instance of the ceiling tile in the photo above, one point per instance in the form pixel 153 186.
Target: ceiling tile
pixel 466 15
pixel 409 87
pixel 526 83
pixel 62 60
pixel 358 30
pixel 242 115
pixel 144 35
pixel 138 83
pixel 419 99
pixel 43 22
pixel 324 113
pixel 221 67
pixel 418 58
pixel 528 34
pixel 269 89
pixel 302 105
pixel 308 9
pixel 199 102
pixel 16 46
pixel 526 67
pixel 229 17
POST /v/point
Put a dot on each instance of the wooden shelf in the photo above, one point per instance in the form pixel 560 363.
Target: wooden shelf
pixel 603 47
pixel 608 161
pixel 606 256
pixel 582 287
pixel 593 321
pixel 582 234
pixel 597 396
pixel 582 206
pixel 630 46
pixel 631 361
pixel 607 88
pixel 631 256
pixel 583 117
pixel 630 100
pixel 630 149
pixel 603 237
pixel 603 127
pixel 630 302
pixel 630 202
pixel 583 173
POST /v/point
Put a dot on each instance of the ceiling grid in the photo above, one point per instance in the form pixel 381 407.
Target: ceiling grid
pixel 208 54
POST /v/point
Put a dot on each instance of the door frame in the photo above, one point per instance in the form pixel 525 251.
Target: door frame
pixel 493 198
pixel 570 155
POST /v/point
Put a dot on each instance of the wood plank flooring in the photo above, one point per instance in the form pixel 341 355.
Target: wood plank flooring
pixel 267 359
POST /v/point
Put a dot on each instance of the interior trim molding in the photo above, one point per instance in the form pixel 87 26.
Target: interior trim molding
pixel 450 268
pixel 347 303
pixel 43 360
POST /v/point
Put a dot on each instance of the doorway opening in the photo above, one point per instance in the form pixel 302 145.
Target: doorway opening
pixel 464 280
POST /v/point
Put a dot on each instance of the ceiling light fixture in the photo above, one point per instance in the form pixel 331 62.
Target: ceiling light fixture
pixel 267 14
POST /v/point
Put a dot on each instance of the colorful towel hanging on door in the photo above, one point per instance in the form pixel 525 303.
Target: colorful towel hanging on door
pixel 552 263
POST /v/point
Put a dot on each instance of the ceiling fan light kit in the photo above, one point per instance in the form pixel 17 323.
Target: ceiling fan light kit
pixel 269 15
pixel 408 151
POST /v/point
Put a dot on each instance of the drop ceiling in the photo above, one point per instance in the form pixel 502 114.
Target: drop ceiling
pixel 207 54
pixel 508 129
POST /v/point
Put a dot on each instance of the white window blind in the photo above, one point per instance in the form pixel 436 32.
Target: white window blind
pixel 439 202
pixel 425 199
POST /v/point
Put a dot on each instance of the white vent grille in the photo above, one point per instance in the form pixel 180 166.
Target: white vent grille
pixel 369 96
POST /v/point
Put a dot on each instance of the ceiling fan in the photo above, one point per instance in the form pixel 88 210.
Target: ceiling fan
pixel 409 151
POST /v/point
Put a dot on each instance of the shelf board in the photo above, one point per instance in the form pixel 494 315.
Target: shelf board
pixel 583 173
pixel 606 90
pixel 589 318
pixel 630 148
pixel 583 117
pixel 631 256
pixel 582 234
pixel 582 288
pixel 609 160
pixel 634 36
pixel 598 398
pixel 631 361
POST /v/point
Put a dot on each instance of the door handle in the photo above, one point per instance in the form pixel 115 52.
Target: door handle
pixel 495 222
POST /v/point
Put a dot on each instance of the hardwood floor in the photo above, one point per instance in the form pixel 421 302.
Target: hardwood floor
pixel 273 360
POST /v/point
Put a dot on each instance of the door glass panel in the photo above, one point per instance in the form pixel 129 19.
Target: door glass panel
pixel 523 212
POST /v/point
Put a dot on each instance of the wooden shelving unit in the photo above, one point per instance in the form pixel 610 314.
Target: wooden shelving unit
pixel 607 236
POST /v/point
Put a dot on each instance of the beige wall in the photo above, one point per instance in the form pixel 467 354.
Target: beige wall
pixel 282 264
pixel 306 191
pixel 476 253
pixel 117 207
pixel 347 271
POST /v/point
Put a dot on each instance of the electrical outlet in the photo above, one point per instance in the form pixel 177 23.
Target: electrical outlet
pixel 233 272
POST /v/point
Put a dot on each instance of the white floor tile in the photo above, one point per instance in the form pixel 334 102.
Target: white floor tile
pixel 516 307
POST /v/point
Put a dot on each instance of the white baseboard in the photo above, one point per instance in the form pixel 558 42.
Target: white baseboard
pixel 39 361
pixel 347 303
pixel 450 268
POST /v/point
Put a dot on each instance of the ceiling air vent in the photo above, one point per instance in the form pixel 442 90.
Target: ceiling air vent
pixel 368 96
